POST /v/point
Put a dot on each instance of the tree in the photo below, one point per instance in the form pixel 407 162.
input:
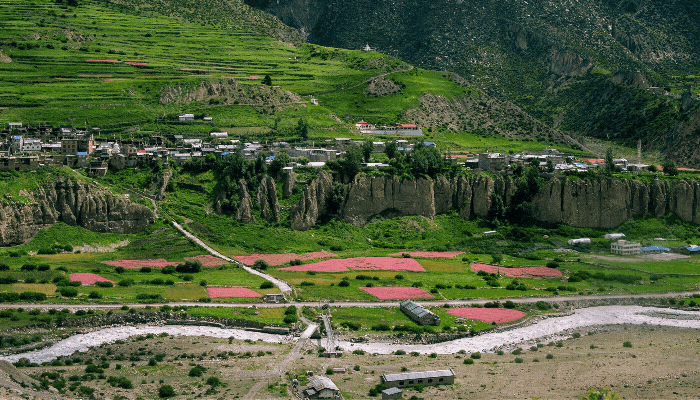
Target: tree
pixel 669 167
pixel 260 264
pixel 350 165
pixel 302 128
pixel 497 210
pixel 550 165
pixel 653 169
pixel 267 80
pixel 609 160
pixel 367 149
pixel 281 160
pixel 391 149
pixel 426 160
pixel 73 3
pixel 600 394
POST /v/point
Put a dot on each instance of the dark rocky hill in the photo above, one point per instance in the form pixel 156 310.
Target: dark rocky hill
pixel 576 65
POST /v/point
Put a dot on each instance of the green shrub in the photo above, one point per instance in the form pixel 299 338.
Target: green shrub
pixel 266 285
pixel 543 306
pixel 260 264
pixel 68 292
pixel 190 267
pixel 166 391
pixel 400 353
pixel 550 356
pixel 344 284
pixel 476 355
pixel 627 344
pixel 105 284
pixel 469 361
pixel 518 360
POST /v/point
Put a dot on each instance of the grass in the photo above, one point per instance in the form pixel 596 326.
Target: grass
pixel 264 315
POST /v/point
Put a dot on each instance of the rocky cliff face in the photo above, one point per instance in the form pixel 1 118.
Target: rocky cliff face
pixel 581 203
pixel 75 203
pixel 244 213
pixel 313 202
pixel 267 199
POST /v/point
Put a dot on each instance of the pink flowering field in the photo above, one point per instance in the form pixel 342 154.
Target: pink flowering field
pixel 361 264
pixel 397 293
pixel 429 254
pixel 217 292
pixel 208 260
pixel 518 272
pixel 87 279
pixel 279 259
pixel 489 315
pixel 159 262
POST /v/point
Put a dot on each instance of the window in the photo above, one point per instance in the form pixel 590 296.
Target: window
pixel 401 383
pixel 430 381
pixel 410 382
pixel 441 379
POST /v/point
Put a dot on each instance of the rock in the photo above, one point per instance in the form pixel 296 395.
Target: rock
pixel 368 196
pixel 267 199
pixel 289 181
pixel 75 203
pixel 244 213
pixel 313 202
pixel 568 63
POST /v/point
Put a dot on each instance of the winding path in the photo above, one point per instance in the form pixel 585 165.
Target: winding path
pixel 283 286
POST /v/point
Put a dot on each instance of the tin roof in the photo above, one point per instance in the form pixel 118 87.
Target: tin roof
pixel 418 375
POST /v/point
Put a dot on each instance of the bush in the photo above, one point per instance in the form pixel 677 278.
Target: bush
pixel 552 264
pixel 290 319
pixel 166 391
pixel 543 306
pixel 550 356
pixel 307 283
pixel 266 285
pixel 4 267
pixel 295 262
pixel 121 382
pixel 398 277
pixel 95 295
pixel 189 267
pixel 43 267
pixel 329 371
pixel 167 270
pixel 119 270
pixel 68 291
pixel 260 264
pixel 7 280
pixel 476 355
pixel 469 361
pixel 105 284
pixel 145 269
pixel 518 360
pixel 28 267
pixel 627 344
pixel 381 327
pixel 576 335
pixel 126 282
pixel 344 284
pixel 358 352
pixel 213 381
pixel 400 353
pixel 32 296
pixel 509 304
pixel 196 372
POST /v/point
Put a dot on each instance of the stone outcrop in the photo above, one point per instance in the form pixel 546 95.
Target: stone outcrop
pixel 267 199
pixel 244 212
pixel 289 181
pixel 75 203
pixel 313 202
pixel 368 196
pixel 605 203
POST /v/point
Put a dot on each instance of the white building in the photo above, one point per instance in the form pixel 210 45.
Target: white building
pixel 186 117
pixel 626 248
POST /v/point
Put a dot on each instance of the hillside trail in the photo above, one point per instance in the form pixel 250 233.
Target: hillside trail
pixel 278 370
pixel 283 286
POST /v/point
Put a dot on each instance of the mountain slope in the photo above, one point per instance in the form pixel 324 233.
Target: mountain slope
pixel 563 62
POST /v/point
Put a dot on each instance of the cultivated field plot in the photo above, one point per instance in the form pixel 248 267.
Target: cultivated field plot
pixel 215 292
pixel 45 288
pixel 159 262
pixel 397 293
pixel 490 315
pixel 279 259
pixel 208 260
pixel 429 254
pixel 186 292
pixel 87 278
pixel 361 264
pixel 518 272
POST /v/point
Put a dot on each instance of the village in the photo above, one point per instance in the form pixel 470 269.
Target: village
pixel 29 148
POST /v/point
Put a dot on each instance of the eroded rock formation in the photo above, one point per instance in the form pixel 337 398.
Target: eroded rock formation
pixel 75 203
pixel 605 203
pixel 244 212
pixel 267 199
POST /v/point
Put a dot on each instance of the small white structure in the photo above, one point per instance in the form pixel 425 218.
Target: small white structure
pixel 186 117
pixel 219 135
pixel 579 241
pixel 614 236
pixel 626 248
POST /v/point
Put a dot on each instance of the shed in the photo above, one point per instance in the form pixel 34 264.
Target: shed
pixel 579 241
pixel 419 314
pixel 425 378
pixel 655 249
pixel 321 387
pixel 392 394
pixel 691 250
pixel 614 236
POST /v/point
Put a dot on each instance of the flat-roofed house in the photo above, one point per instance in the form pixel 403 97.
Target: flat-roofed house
pixel 626 248
pixel 425 378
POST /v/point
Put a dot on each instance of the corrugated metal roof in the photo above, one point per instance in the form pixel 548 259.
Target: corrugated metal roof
pixel 415 309
pixel 392 391
pixel 321 382
pixel 418 375
pixel 655 248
